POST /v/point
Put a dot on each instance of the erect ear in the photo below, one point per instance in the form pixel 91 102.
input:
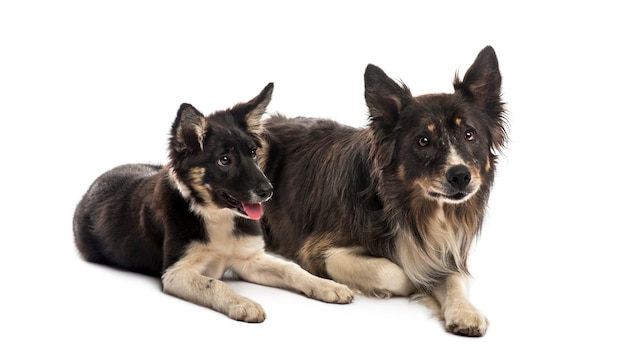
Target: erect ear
pixel 248 115
pixel 188 130
pixel 384 97
pixel 482 82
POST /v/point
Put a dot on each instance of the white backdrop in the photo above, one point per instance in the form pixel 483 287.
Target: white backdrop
pixel 86 86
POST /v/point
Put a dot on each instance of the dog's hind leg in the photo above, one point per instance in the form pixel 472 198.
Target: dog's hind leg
pixel 265 269
pixel 371 276
pixel 459 315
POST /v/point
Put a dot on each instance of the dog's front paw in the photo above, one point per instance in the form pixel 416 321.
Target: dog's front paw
pixel 331 292
pixel 465 321
pixel 246 310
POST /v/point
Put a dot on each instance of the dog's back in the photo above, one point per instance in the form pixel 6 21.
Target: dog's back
pixel 108 202
pixel 119 206
pixel 322 180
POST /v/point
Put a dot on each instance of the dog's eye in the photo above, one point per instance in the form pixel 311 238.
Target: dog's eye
pixel 469 135
pixel 253 153
pixel 423 141
pixel 223 160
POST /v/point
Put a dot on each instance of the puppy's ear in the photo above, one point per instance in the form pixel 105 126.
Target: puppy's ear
pixel 248 115
pixel 189 130
pixel 482 82
pixel 384 97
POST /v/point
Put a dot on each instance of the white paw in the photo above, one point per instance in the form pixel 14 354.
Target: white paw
pixel 465 321
pixel 331 292
pixel 246 310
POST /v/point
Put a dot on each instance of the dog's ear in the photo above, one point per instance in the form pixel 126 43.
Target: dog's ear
pixel 384 97
pixel 248 115
pixel 481 84
pixel 189 129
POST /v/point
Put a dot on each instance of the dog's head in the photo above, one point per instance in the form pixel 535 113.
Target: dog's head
pixel 441 145
pixel 213 159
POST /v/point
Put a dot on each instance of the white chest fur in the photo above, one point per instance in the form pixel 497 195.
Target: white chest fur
pixel 223 249
pixel 439 252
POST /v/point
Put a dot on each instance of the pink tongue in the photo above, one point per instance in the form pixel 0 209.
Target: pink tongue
pixel 254 211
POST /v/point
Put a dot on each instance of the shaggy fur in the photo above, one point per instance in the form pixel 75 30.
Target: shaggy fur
pixel 392 208
pixel 197 217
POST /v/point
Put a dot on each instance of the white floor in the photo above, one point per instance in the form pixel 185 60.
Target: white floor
pixel 84 88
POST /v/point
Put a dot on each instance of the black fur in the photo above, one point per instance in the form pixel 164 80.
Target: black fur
pixel 135 217
pixel 196 218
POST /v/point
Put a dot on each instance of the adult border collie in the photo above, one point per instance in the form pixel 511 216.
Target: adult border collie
pixel 391 208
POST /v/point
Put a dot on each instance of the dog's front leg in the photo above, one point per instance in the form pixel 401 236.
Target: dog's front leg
pixel 265 269
pixel 459 315
pixel 371 276
pixel 186 283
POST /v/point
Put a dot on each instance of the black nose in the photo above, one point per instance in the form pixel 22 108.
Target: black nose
pixel 265 192
pixel 459 176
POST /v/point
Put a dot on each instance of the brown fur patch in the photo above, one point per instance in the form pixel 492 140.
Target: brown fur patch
pixel 312 254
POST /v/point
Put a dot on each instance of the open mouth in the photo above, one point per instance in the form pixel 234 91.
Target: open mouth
pixel 251 210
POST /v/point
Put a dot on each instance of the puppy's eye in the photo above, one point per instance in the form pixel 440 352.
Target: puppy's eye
pixel 253 153
pixel 423 141
pixel 223 160
pixel 470 135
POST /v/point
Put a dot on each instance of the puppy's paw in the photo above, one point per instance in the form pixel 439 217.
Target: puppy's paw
pixel 246 310
pixel 331 292
pixel 465 321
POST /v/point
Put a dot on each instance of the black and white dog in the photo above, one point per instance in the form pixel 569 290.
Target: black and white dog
pixel 192 220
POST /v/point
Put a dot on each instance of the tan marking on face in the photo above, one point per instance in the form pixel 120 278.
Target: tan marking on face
pixel 421 187
pixel 458 121
pixel 420 184
pixel 475 174
pixel 488 166
pixel 200 187
pixel 431 127
pixel 197 185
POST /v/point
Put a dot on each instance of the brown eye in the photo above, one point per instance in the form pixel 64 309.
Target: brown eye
pixel 423 141
pixel 253 153
pixel 469 135
pixel 223 160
